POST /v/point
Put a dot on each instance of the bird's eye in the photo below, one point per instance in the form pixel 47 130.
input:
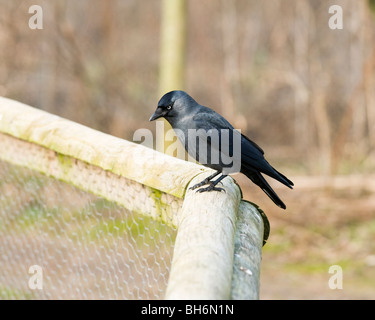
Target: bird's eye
pixel 169 107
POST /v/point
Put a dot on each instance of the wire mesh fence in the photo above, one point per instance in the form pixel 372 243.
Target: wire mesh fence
pixel 97 231
pixel 87 247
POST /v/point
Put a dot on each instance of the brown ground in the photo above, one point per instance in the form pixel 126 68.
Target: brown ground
pixel 327 222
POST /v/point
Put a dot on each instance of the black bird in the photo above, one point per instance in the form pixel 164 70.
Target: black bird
pixel 184 113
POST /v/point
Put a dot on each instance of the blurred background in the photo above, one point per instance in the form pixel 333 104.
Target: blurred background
pixel 274 69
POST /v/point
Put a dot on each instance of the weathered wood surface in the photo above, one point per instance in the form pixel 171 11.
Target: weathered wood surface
pixel 203 256
pixel 112 154
pixel 247 253
pixel 130 194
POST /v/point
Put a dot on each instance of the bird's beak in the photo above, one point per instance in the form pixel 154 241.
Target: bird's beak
pixel 157 114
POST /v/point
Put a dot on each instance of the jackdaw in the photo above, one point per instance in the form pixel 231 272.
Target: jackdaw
pixel 199 127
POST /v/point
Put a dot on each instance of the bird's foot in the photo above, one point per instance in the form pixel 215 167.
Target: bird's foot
pixel 206 181
pixel 200 184
pixel 211 187
pixel 211 184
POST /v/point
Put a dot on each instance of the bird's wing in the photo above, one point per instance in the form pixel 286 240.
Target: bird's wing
pixel 212 120
pixel 209 127
pixel 253 144
pixel 235 150
pixel 251 155
pixel 209 120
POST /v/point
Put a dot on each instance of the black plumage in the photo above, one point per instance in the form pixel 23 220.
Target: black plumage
pixel 186 116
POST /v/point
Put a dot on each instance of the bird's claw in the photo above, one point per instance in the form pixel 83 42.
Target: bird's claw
pixel 198 185
pixel 210 188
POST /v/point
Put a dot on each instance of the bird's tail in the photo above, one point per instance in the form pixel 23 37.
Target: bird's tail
pixel 259 180
pixel 287 182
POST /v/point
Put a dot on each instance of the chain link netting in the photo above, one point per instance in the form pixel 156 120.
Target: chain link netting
pixel 87 247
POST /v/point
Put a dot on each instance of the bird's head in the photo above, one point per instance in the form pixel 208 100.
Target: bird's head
pixel 173 104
